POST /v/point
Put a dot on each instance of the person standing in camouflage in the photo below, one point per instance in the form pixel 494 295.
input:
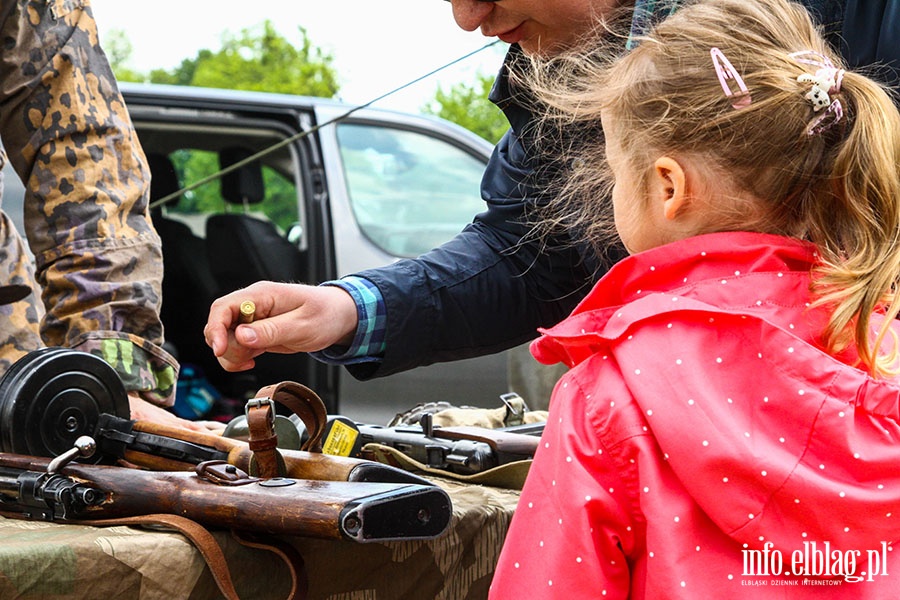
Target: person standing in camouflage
pixel 65 130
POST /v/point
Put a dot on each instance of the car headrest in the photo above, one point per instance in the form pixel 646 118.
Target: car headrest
pixel 163 178
pixel 243 185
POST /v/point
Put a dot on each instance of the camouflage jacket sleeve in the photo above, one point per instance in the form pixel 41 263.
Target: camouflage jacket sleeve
pixel 70 139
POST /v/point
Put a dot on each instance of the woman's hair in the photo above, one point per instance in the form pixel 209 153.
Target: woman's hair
pixel 797 171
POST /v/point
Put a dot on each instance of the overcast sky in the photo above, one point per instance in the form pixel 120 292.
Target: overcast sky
pixel 377 45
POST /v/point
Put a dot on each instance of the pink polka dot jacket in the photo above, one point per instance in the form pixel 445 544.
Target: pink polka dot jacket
pixel 703 445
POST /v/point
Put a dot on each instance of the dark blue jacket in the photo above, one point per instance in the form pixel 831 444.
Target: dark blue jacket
pixel 487 290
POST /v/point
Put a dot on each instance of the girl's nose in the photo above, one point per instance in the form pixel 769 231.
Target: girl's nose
pixel 469 14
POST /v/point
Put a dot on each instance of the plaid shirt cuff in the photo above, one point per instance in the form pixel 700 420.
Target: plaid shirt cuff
pixel 368 343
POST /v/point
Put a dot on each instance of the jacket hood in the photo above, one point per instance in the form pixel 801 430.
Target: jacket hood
pixel 696 269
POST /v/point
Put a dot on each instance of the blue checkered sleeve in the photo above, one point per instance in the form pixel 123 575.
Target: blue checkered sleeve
pixel 368 343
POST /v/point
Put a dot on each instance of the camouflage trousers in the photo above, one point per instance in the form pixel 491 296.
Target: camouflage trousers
pixel 20 321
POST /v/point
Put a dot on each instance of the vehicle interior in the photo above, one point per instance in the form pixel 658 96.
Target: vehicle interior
pixel 220 236
pixel 408 193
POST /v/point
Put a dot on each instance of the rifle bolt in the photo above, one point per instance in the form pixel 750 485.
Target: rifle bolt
pixel 85 446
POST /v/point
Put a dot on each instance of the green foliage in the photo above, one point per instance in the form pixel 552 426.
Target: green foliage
pixel 261 59
pixel 194 165
pixel 257 58
pixel 468 106
pixel 118 50
pixel 183 74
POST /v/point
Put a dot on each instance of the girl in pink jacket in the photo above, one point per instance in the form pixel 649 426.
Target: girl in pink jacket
pixel 729 426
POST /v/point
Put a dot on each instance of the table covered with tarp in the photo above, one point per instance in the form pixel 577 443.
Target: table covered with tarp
pixel 80 562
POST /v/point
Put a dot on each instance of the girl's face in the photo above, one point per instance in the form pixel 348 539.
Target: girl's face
pixel 538 26
pixel 639 226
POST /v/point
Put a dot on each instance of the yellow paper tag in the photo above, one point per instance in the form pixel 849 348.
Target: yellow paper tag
pixel 340 439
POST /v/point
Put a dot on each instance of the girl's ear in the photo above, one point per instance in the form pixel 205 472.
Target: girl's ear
pixel 670 185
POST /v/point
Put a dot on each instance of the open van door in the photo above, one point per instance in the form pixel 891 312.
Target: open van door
pixel 327 197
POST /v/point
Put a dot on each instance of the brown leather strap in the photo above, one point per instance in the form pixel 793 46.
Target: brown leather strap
pixel 289 554
pixel 202 539
pixel 304 403
pixel 266 462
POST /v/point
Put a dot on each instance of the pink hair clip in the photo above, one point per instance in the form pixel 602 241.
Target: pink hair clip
pixel 811 57
pixel 832 114
pixel 726 72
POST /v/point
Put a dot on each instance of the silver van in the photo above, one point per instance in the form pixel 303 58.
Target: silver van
pixel 336 191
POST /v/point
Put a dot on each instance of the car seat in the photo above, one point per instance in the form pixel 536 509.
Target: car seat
pixel 188 286
pixel 244 248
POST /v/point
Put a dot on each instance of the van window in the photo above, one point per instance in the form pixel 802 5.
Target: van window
pixel 410 192
pixel 279 205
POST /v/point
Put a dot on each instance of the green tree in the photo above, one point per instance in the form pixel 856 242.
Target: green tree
pixel 257 58
pixel 260 59
pixel 467 105
pixel 118 50
pixel 183 74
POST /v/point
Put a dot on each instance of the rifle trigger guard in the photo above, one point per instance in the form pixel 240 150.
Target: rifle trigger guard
pixel 223 473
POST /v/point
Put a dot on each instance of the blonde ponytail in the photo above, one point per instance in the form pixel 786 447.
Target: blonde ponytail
pixel 857 230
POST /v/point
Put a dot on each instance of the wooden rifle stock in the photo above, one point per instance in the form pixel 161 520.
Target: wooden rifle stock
pixel 362 512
